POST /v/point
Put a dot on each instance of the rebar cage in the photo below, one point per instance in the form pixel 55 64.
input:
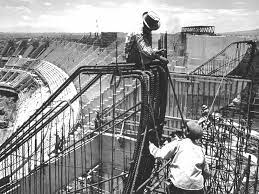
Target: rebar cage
pixel 81 139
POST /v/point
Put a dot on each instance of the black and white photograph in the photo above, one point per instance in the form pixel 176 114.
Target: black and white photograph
pixel 129 97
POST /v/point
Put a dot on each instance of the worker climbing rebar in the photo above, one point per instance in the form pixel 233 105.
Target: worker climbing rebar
pixel 188 167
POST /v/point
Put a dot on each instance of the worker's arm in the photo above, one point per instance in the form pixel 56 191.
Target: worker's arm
pixel 165 152
pixel 161 52
pixel 146 49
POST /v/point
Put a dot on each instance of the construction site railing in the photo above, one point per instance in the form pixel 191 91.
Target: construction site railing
pixel 32 134
pixel 228 59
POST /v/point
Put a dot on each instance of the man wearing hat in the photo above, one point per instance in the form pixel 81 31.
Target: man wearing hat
pixel 188 166
pixel 138 48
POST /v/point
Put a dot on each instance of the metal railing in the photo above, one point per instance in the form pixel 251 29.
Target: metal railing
pixel 237 53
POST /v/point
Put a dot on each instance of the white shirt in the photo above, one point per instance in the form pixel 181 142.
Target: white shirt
pixel 187 165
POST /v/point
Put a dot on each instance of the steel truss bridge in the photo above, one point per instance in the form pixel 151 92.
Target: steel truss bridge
pixel 199 30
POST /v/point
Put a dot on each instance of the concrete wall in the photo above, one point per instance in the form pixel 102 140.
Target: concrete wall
pixel 203 47
pixel 63 170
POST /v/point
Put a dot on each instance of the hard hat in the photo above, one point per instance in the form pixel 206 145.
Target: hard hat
pixel 216 116
pixel 194 130
pixel 236 101
pixel 204 107
pixel 151 20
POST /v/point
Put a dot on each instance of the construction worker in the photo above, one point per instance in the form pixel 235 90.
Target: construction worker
pixel 58 144
pixel 77 126
pixel 98 121
pixel 204 110
pixel 188 166
pixel 138 48
pixel 204 121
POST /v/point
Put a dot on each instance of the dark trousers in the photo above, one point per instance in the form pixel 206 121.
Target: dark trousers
pixel 171 189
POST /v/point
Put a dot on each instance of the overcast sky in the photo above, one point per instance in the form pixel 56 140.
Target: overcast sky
pixel 125 15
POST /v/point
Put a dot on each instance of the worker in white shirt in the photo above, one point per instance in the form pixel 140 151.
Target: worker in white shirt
pixel 188 167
